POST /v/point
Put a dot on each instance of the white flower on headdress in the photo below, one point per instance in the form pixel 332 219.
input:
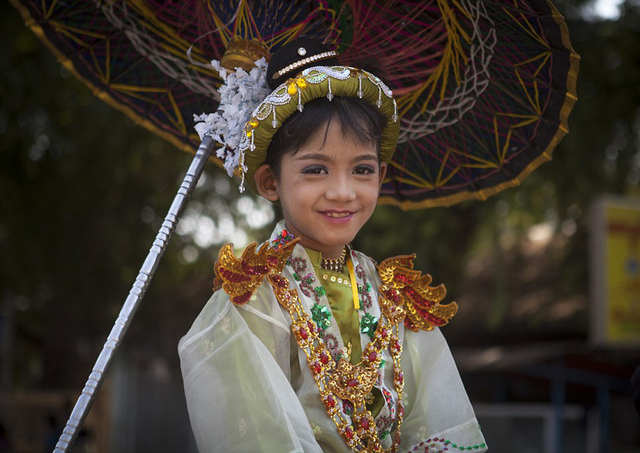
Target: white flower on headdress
pixel 240 94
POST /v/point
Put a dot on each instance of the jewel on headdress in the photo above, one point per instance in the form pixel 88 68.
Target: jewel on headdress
pixel 302 51
pixel 274 122
pixel 300 106
pixel 360 94
pixel 329 94
pixel 395 111
pixel 379 101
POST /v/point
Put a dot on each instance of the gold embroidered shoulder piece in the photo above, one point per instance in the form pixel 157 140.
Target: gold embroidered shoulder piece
pixel 404 286
pixel 241 277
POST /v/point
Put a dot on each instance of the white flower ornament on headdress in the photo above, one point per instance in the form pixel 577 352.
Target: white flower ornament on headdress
pixel 240 94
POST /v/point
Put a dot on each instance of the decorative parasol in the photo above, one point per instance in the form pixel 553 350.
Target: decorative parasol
pixel 484 88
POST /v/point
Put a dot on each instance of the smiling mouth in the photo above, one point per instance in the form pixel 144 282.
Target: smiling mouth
pixel 338 215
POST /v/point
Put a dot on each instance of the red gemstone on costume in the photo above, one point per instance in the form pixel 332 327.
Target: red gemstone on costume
pixel 285 233
pixel 330 402
pixel 303 334
pixel 373 356
pixel 400 377
pixel 324 358
pixel 348 432
pixel 310 326
pixel 317 367
pixel 398 345
pixel 364 423
pixel 352 382
pixel 383 333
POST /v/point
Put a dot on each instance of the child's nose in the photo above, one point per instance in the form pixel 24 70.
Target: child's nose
pixel 340 188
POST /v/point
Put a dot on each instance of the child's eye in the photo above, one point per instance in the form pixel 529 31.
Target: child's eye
pixel 314 170
pixel 364 170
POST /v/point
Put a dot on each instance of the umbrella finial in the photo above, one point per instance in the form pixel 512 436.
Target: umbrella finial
pixel 243 53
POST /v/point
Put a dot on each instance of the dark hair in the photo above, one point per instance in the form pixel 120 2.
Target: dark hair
pixel 359 120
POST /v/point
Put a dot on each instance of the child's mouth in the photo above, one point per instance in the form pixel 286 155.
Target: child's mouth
pixel 338 214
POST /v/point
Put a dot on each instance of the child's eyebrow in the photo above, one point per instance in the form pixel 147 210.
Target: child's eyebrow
pixel 325 158
pixel 312 156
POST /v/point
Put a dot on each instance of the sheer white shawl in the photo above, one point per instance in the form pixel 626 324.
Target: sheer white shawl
pixel 249 389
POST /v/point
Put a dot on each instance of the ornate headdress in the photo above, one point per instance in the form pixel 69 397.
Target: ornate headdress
pixel 296 78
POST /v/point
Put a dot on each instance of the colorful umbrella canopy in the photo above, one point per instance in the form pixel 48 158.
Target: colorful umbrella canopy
pixel 484 87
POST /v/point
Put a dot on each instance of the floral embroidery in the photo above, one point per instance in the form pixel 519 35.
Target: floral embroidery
pixel 331 342
pixel 299 266
pixel 441 444
pixel 242 427
pixel 317 432
pixel 347 407
pixel 388 398
pixel 305 284
pixel 365 289
pixel 384 423
pixel 282 239
pixel 226 325
pixel 209 347
pixel 368 325
pixel 321 316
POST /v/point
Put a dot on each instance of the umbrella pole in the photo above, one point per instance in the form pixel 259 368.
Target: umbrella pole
pixel 90 390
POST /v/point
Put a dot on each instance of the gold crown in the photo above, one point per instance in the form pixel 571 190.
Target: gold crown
pixel 243 53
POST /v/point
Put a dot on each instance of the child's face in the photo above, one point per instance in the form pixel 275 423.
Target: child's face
pixel 327 190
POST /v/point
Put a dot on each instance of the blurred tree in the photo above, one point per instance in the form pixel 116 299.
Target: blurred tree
pixel 83 191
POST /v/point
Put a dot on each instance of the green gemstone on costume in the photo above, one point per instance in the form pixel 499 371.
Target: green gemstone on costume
pixel 368 325
pixel 382 362
pixel 321 316
pixel 320 291
pixel 296 277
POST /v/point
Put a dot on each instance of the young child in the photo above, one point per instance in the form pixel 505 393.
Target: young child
pixel 308 345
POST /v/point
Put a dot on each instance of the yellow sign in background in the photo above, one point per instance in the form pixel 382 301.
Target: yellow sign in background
pixel 617 261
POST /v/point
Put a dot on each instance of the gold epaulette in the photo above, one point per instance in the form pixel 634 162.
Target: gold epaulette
pixel 406 292
pixel 241 277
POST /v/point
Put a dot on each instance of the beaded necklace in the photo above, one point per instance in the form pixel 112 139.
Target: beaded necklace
pixel 334 264
pixel 341 379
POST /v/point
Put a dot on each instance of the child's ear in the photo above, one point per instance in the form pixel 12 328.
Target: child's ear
pixel 382 173
pixel 266 182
